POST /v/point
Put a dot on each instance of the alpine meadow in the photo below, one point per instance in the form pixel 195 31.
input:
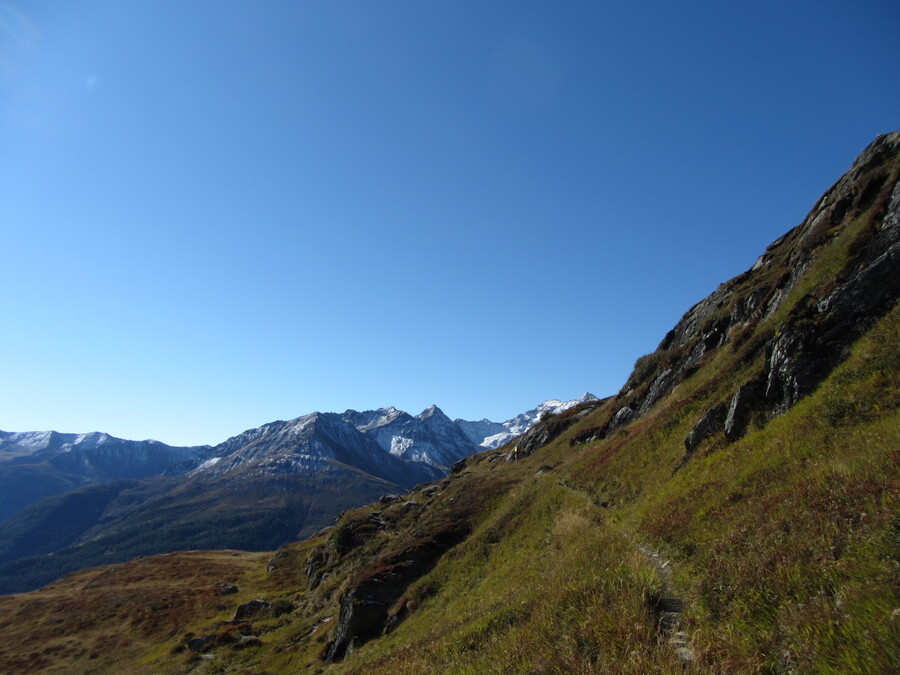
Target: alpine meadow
pixel 734 508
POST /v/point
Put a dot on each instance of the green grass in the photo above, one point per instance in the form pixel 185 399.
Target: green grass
pixel 784 536
pixel 484 608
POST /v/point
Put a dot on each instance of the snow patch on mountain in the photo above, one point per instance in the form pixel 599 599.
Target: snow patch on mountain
pixel 488 434
pixel 94 453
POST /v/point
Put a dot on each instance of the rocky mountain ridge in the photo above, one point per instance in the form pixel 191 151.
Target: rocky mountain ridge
pixel 38 464
pixel 795 354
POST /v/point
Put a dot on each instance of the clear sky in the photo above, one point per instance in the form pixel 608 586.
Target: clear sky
pixel 215 214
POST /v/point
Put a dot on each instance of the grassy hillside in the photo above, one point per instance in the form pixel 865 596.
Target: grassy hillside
pixel 103 619
pixel 733 509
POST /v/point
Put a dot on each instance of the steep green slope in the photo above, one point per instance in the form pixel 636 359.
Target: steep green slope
pixel 733 509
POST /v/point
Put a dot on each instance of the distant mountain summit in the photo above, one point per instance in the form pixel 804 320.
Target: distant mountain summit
pixel 386 443
pixel 94 455
pixel 327 442
pixel 429 438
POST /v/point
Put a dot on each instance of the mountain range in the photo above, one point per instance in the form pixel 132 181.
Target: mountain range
pixel 38 464
pixel 74 500
pixel 733 508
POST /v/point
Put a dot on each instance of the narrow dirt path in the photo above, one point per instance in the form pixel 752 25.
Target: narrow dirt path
pixel 667 608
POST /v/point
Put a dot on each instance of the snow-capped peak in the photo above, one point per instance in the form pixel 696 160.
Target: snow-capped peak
pixel 494 434
pixel 432 411
pixel 372 419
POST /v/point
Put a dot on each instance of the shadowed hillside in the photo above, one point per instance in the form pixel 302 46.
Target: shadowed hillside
pixel 732 509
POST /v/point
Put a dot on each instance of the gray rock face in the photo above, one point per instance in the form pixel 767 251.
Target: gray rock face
pixel 621 418
pixel 789 376
pixel 661 385
pixel 365 608
pixel 364 613
pixel 713 421
pixel 809 348
pixel 745 400
pixel 745 308
pixel 315 563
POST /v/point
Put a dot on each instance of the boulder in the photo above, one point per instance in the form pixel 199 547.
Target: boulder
pixel 250 610
pixel 232 633
pixel 201 644
pixel 457 467
pixel 225 589
pixel 621 418
pixel 282 558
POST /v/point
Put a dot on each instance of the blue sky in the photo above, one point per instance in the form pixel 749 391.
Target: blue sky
pixel 218 214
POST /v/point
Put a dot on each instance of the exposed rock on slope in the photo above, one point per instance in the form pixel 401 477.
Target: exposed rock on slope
pixel 785 325
pixel 858 217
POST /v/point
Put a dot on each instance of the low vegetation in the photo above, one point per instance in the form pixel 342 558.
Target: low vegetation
pixel 596 548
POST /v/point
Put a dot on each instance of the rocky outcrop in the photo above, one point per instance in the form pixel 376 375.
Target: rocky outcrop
pixel 548 429
pixel 315 564
pixel 712 422
pixel 225 588
pixel 251 610
pixel 236 634
pixel 366 608
pixel 856 222
pixel 622 417
pixel 745 401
